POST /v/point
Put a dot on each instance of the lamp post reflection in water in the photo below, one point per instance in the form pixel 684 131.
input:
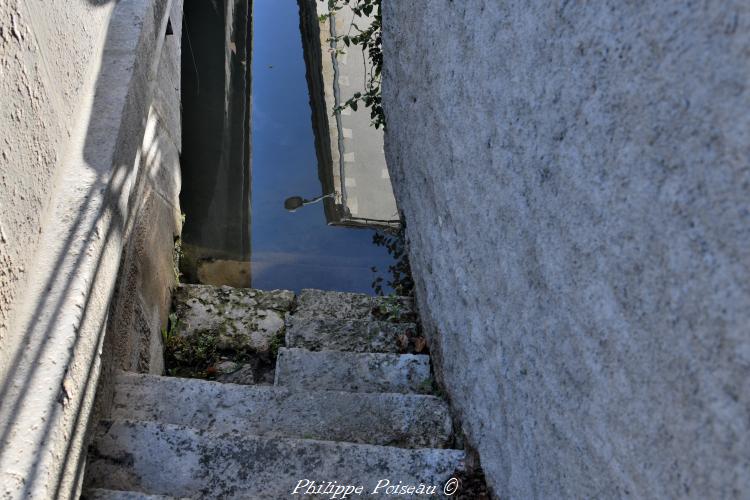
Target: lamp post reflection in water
pixel 294 202
pixel 302 250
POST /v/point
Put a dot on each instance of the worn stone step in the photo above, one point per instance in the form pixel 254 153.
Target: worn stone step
pixel 103 494
pixel 405 420
pixel 344 305
pixel 238 318
pixel 303 370
pixel 322 334
pixel 175 460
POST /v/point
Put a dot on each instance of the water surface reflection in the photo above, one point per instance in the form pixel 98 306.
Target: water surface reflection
pixel 298 249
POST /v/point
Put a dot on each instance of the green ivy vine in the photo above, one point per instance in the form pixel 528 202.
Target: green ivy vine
pixel 364 32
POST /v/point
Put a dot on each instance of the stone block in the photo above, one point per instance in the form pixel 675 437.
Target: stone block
pixel 176 460
pixel 240 318
pixel 102 494
pixel 344 305
pixel 403 420
pixel 319 334
pixel 303 370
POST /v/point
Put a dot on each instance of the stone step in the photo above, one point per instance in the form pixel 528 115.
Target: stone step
pixel 321 334
pixel 243 319
pixel 343 305
pixel 405 420
pixel 102 494
pixel 175 460
pixel 303 370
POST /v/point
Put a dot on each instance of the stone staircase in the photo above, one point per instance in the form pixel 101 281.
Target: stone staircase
pixel 346 405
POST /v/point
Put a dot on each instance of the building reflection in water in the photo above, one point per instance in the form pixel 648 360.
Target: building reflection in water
pixel 215 162
pixel 351 162
pixel 342 157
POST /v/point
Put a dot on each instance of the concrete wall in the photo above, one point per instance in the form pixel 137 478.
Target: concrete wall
pixel 90 134
pixel 575 178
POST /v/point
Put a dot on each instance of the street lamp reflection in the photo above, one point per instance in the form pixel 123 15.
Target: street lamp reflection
pixel 294 202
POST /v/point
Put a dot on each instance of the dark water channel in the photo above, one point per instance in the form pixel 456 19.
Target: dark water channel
pixel 237 230
pixel 215 160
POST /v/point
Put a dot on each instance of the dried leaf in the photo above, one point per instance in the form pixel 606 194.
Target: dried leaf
pixel 419 344
pixel 403 341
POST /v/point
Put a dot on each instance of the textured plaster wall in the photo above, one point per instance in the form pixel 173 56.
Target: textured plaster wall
pixel 575 178
pixel 90 188
pixel 48 49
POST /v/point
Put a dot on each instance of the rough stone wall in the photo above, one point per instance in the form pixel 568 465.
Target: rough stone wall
pixel 148 272
pixel 575 178
pixel 48 49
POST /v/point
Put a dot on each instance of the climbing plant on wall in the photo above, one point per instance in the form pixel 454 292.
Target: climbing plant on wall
pixel 400 279
pixel 364 32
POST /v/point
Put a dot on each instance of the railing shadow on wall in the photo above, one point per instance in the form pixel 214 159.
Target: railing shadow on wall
pixel 53 372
